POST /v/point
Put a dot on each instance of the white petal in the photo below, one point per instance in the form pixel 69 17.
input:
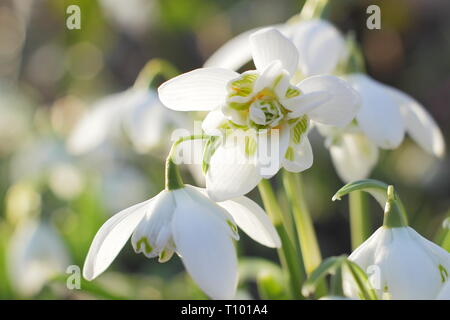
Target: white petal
pixel 201 89
pixel 231 172
pixel 268 45
pixel 252 219
pixel 204 244
pixel 212 122
pixel 305 103
pixel 379 116
pixel 269 74
pixel 342 105
pixel 354 156
pixel 303 156
pixel 419 123
pixel 111 237
pixel 97 124
pixel 320 45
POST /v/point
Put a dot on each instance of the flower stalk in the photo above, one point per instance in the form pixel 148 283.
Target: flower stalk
pixel 359 218
pixel 290 261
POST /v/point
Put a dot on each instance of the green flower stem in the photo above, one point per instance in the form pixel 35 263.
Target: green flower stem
pixel 290 261
pixel 394 215
pixel 303 222
pixel 173 177
pixel 152 69
pixel 314 9
pixel 336 288
pixel 359 218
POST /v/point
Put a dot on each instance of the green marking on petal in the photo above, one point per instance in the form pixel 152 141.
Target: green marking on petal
pixel 147 247
pixel 443 272
pixel 250 146
pixel 289 154
pixel 243 86
pixel 232 226
pixel 292 92
pixel 299 129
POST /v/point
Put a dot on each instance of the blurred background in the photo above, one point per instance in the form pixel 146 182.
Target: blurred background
pixel 54 196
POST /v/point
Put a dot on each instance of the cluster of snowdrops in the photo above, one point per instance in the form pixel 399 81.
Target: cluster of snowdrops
pixel 307 76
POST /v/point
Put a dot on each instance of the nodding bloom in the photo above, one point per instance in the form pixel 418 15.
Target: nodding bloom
pixel 386 113
pixel 401 264
pixel 184 220
pixel 385 116
pixel 138 111
pixel 261 103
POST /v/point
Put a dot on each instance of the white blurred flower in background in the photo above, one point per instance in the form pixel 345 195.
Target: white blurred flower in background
pixel 138 112
pixel 36 253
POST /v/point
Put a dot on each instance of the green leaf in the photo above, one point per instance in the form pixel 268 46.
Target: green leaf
pixel 328 266
pixel 211 146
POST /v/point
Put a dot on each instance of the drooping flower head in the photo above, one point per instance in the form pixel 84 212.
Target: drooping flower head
pixel 259 103
pixel 400 262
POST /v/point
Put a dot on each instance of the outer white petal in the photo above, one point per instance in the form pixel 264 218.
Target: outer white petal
pixel 379 116
pixel 231 173
pixel 268 45
pixel 205 246
pixel 320 45
pixel 201 89
pixel 305 103
pixel 303 156
pixel 444 294
pixel 354 156
pixel 111 237
pixel 419 123
pixel 252 219
pixel 342 105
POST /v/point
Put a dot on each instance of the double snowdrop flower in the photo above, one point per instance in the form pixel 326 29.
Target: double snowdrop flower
pixel 384 117
pixel 183 219
pixel 401 264
pixel 135 110
pixel 255 104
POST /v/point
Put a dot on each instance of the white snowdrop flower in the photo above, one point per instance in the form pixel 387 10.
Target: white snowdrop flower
pixel 184 220
pixel 265 101
pixel 36 254
pixel 401 264
pixel 385 116
pixel 138 111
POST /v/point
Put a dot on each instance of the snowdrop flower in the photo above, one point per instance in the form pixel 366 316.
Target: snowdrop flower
pixel 138 111
pixel 400 262
pixel 263 102
pixel 36 254
pixel 184 220
pixel 320 45
pixel 386 114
